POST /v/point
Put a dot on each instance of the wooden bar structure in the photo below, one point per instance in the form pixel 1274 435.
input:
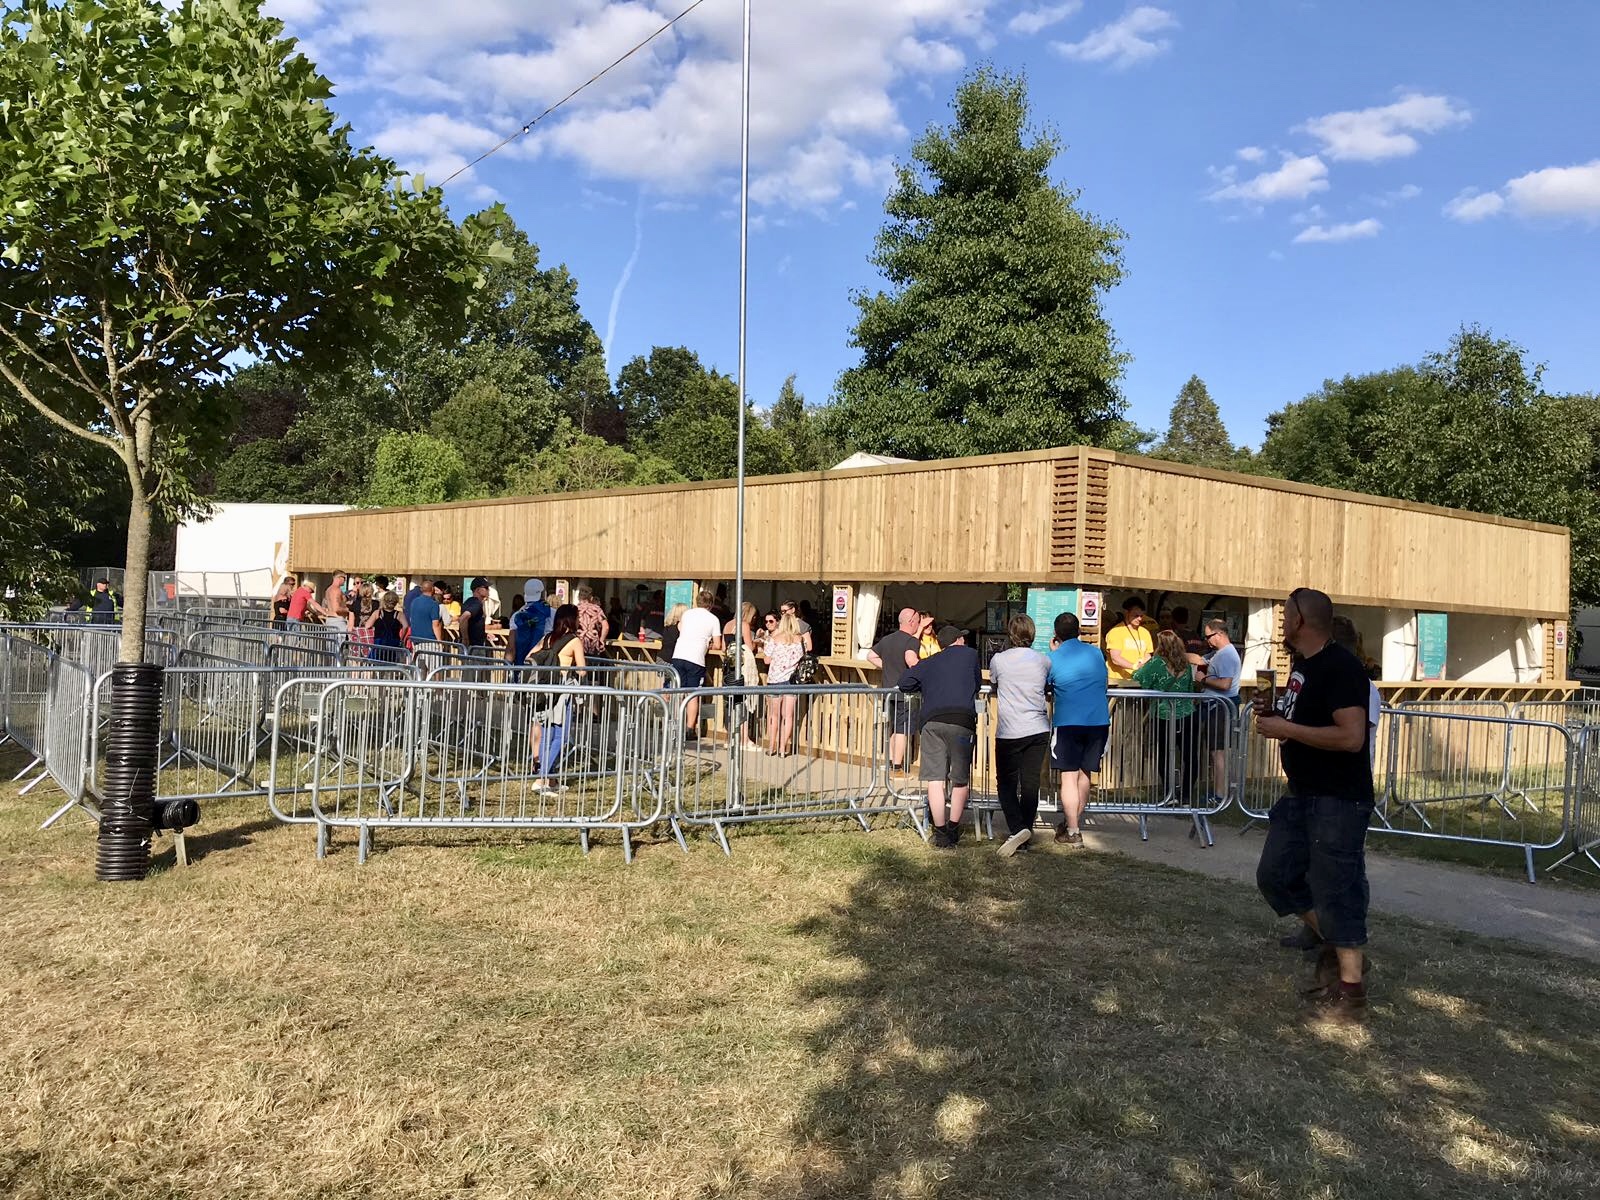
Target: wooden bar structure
pixel 1073 515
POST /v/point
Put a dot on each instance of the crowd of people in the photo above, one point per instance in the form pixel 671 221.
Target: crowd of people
pixel 1313 862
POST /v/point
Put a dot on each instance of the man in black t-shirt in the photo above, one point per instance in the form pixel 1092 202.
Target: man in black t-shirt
pixel 892 654
pixel 472 631
pixel 1313 864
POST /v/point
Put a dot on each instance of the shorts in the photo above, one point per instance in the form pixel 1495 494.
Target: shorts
pixel 947 754
pixel 1314 860
pixel 900 715
pixel 690 675
pixel 1078 747
pixel 1221 722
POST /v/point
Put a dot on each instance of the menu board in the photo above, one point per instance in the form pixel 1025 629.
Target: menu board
pixel 680 591
pixel 1044 605
pixel 1433 644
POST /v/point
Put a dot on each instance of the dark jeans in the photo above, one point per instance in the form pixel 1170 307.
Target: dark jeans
pixel 1019 763
pixel 1314 860
pixel 1177 755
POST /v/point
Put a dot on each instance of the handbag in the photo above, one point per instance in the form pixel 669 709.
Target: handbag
pixel 805 671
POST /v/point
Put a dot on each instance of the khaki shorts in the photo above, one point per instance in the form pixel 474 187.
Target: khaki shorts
pixel 947 754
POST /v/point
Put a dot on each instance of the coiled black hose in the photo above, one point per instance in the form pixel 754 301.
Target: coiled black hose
pixel 122 852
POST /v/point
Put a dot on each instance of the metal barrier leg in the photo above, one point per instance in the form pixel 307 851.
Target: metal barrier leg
pixel 722 836
pixel 322 840
pixel 583 840
pixel 627 845
pixel 34 782
pixel 31 765
pixel 677 832
pixel 1144 828
pixel 1528 850
pixel 363 844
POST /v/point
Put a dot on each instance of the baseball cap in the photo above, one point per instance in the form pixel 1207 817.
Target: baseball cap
pixel 948 634
pixel 479 582
pixel 532 589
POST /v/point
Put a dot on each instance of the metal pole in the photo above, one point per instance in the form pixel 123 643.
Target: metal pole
pixel 744 278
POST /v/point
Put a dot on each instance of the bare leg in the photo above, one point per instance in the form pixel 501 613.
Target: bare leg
pixel 1350 961
pixel 897 750
pixel 1219 772
pixel 787 742
pixel 936 802
pixel 958 802
pixel 1074 798
pixel 774 708
pixel 691 715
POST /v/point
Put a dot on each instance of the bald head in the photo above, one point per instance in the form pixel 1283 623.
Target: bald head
pixel 908 620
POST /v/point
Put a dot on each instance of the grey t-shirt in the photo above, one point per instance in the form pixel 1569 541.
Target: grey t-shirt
pixel 1225 664
pixel 1019 675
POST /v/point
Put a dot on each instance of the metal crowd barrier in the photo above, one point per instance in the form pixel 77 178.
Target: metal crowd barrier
pixel 429 754
pixel 1585 842
pixel 1154 764
pixel 27 691
pixel 628 677
pixel 1446 776
pixel 820 752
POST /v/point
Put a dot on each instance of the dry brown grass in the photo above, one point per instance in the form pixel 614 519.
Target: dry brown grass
pixel 826 1013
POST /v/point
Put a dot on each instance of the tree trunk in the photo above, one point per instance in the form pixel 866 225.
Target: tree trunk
pixel 136 572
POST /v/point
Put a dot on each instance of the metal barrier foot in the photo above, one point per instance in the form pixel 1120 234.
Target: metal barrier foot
pixel 677 832
pixel 722 836
pixel 1528 850
pixel 34 782
pixel 35 763
pixel 363 844
pixel 627 845
pixel 322 840
pixel 583 841
pixel 1144 828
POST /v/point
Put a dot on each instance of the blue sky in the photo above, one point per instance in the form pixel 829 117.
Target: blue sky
pixel 1309 187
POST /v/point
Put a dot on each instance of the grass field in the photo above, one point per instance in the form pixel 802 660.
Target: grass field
pixel 827 1013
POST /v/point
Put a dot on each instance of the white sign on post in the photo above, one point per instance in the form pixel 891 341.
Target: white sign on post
pixel 1089 604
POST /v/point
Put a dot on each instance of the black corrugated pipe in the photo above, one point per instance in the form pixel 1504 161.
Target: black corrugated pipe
pixel 122 854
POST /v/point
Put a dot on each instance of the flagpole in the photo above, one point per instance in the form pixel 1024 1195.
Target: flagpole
pixel 744 277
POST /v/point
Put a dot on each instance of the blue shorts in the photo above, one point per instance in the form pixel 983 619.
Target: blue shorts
pixel 690 675
pixel 1078 747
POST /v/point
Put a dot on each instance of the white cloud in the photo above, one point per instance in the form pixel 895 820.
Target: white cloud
pixel 1340 233
pixel 828 75
pixel 1034 20
pixel 1309 216
pixel 1473 205
pixel 1250 154
pixel 1557 192
pixel 1374 134
pixel 1295 179
pixel 433 144
pixel 296 11
pixel 1130 39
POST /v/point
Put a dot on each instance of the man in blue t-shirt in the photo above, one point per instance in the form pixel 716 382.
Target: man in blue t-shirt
pixel 1220 676
pixel 422 615
pixel 1081 721
pixel 531 623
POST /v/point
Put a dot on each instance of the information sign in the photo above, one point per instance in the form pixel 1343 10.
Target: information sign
pixel 1044 605
pixel 1433 644
pixel 680 591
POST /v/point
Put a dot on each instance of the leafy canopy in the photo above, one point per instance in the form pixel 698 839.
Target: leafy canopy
pixel 174 190
pixel 991 337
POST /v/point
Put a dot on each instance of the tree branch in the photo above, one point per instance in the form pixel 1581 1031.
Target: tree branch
pixel 51 414
pixel 17 341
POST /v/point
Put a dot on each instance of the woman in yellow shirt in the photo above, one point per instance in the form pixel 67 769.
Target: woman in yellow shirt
pixel 1128 645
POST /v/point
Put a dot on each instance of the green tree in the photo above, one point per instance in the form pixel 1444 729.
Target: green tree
pixel 174 191
pixel 1470 427
pixel 414 468
pixel 798 431
pixel 256 473
pixel 496 431
pixel 1195 432
pixel 650 387
pixel 575 461
pixel 992 336
pixel 48 484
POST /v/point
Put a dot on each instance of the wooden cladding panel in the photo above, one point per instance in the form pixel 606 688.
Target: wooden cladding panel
pixel 1169 528
pixel 1073 515
pixel 988 521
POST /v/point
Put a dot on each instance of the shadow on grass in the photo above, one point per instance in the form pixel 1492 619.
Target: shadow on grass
pixel 1079 1025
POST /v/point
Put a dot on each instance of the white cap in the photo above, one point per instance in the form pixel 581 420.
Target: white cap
pixel 532 589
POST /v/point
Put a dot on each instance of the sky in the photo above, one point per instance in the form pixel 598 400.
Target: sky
pixel 1309 188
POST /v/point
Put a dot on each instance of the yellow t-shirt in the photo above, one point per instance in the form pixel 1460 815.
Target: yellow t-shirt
pixel 1135 645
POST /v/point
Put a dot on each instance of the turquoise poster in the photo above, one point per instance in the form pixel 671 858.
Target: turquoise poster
pixel 1044 604
pixel 680 591
pixel 1433 644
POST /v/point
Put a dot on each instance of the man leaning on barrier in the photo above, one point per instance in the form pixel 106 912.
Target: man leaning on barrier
pixel 949 683
pixel 1313 864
